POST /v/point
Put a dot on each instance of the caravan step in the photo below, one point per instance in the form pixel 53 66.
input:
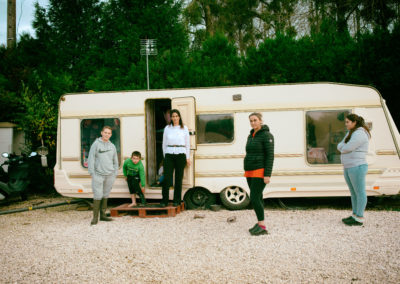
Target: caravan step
pixel 151 210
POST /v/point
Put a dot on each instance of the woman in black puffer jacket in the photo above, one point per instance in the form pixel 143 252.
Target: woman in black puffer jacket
pixel 258 167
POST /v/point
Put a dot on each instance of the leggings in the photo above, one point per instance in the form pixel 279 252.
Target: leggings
pixel 173 162
pixel 257 186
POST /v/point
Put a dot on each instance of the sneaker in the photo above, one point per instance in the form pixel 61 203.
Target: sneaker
pixel 259 231
pixel 344 220
pixel 353 222
pixel 253 228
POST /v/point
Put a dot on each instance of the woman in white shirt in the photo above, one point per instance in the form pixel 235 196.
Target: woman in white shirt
pixel 176 148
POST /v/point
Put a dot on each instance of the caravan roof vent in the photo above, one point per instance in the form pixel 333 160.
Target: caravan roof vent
pixel 237 97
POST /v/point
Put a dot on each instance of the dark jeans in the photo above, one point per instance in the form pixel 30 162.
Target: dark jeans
pixel 257 186
pixel 134 186
pixel 173 162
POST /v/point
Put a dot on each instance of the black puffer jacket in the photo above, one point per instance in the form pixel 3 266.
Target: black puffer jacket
pixel 260 151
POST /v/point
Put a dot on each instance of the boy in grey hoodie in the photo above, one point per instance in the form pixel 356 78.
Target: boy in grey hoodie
pixel 103 167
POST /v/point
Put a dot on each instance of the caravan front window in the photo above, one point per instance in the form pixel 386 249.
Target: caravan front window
pixel 215 128
pixel 324 130
pixel 91 130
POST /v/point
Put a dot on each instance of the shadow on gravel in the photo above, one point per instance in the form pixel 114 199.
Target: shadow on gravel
pixel 389 203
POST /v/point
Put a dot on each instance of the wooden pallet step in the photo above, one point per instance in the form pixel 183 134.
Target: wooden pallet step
pixel 151 210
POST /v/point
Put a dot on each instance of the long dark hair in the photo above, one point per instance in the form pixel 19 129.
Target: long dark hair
pixel 180 117
pixel 359 123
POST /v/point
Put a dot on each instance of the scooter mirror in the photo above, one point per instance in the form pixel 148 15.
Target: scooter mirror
pixel 5 155
pixel 42 150
pixel 33 154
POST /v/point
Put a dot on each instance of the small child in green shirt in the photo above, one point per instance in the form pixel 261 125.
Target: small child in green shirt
pixel 134 174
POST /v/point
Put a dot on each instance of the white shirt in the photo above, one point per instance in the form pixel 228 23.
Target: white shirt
pixel 176 136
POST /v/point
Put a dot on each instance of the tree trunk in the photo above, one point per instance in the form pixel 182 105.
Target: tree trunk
pixel 341 15
pixel 208 19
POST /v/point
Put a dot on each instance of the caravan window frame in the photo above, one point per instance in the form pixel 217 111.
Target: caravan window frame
pixel 232 115
pixel 118 146
pixel 346 111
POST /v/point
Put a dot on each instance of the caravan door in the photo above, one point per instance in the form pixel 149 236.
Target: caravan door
pixel 187 108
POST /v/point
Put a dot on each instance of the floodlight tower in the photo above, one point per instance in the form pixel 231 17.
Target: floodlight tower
pixel 148 47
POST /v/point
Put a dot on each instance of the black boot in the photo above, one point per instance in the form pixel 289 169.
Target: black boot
pixel 103 207
pixel 96 208
pixel 142 199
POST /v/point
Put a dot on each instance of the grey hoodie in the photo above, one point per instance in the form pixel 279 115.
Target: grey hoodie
pixel 354 152
pixel 103 158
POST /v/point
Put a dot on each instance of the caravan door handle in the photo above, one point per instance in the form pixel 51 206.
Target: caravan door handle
pixel 192 132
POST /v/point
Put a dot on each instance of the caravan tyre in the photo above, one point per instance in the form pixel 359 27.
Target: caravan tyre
pixel 197 198
pixel 234 198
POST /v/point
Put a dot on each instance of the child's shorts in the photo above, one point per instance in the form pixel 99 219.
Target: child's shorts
pixel 134 184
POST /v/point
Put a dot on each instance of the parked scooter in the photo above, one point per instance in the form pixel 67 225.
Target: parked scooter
pixel 15 181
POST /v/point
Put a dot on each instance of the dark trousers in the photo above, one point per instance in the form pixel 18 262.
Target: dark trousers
pixel 134 187
pixel 173 162
pixel 257 186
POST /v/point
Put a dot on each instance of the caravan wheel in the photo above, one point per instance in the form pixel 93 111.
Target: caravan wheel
pixel 234 198
pixel 199 198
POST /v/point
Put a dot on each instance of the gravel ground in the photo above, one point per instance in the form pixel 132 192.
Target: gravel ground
pixel 57 245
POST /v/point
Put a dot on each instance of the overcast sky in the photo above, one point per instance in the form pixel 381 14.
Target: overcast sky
pixel 25 14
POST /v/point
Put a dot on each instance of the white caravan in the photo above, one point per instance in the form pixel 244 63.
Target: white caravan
pixel 307 121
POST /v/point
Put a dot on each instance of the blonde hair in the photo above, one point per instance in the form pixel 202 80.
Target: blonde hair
pixel 259 115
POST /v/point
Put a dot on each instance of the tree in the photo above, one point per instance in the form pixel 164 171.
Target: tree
pixel 379 12
pixel 238 22
pixel 215 64
pixel 67 32
pixel 278 15
pixel 123 23
pixel 204 13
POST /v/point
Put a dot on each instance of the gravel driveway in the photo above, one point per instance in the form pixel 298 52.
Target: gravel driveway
pixel 57 245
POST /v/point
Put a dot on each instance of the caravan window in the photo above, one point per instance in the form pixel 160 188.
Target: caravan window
pixel 215 128
pixel 324 130
pixel 91 130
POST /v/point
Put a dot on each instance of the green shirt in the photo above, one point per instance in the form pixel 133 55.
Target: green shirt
pixel 131 169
